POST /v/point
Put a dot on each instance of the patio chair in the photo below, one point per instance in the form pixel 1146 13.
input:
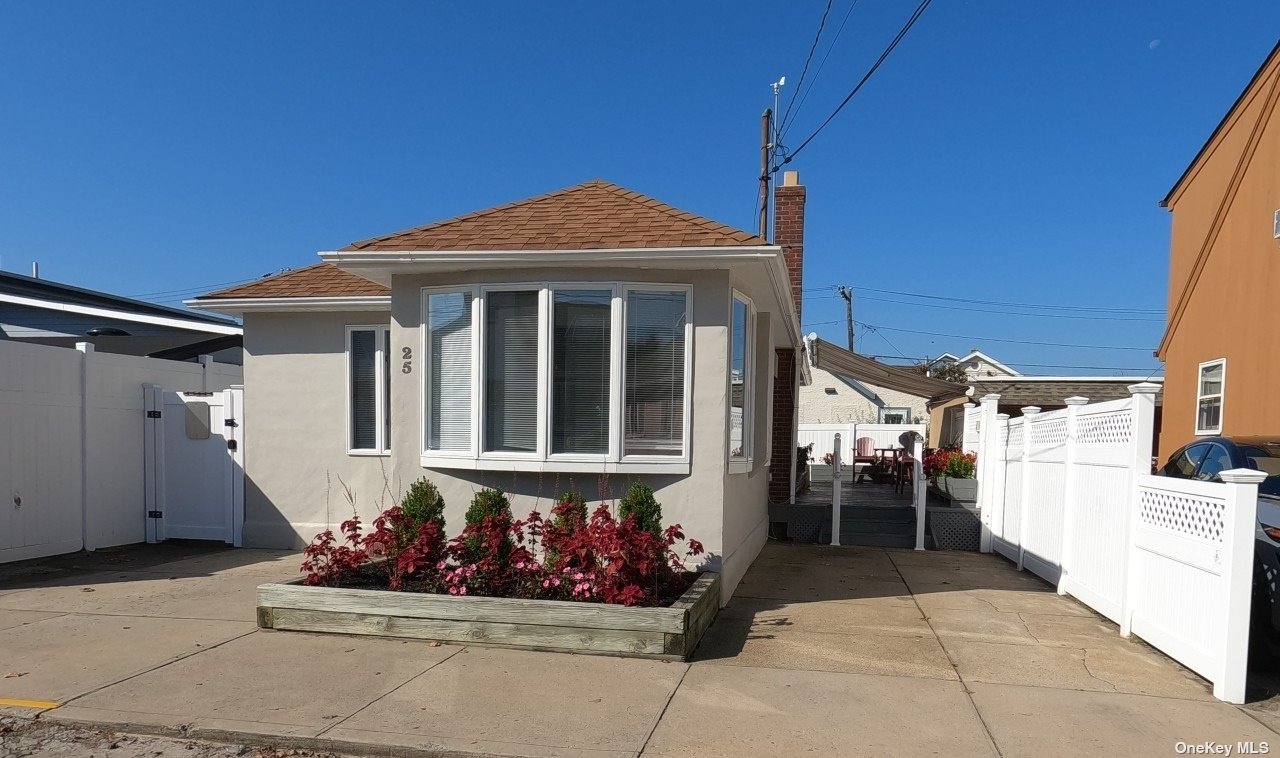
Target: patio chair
pixel 864 456
pixel 905 472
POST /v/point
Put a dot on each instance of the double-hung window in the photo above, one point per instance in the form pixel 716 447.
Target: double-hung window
pixel 1210 387
pixel 741 382
pixel 368 389
pixel 557 377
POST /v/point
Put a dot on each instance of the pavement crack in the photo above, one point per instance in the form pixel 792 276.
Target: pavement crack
pixel 1084 660
pixel 645 745
pixel 370 704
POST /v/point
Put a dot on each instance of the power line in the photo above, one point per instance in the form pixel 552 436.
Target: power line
pixel 822 62
pixel 1039 365
pixel 1046 306
pixel 920 9
pixel 1002 313
pixel 782 124
pixel 193 290
pixel 1001 339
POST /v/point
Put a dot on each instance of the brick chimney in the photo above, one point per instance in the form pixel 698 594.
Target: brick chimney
pixel 788 233
pixel 788 229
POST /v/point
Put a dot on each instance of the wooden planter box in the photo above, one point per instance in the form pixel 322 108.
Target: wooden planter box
pixel 669 633
pixel 959 490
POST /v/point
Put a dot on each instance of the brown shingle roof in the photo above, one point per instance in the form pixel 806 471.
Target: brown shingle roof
pixel 320 280
pixel 591 216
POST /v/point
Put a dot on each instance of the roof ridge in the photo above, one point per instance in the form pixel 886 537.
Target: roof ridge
pixel 480 213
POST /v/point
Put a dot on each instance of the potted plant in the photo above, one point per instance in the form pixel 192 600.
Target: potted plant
pixel 953 473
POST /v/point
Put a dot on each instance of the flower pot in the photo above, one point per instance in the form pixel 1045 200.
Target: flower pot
pixel 959 490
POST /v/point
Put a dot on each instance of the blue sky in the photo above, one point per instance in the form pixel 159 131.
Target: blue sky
pixel 1008 151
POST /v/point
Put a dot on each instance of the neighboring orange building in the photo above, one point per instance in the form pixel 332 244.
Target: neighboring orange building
pixel 1221 346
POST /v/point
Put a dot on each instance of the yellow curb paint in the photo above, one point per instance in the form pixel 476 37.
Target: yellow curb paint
pixel 16 703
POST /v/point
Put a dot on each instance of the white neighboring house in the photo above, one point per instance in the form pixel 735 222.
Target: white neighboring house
pixel 831 398
pixel 978 365
pixel 582 339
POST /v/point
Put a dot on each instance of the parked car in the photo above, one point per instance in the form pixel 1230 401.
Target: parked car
pixel 1204 459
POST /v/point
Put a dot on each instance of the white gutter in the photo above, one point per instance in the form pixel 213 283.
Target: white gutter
pixel 238 305
pixel 137 318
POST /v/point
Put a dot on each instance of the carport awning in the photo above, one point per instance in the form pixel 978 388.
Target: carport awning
pixel 837 360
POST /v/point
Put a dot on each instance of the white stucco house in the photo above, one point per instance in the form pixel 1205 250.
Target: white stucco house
pixel 581 339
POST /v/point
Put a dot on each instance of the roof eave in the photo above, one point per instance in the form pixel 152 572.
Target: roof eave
pixel 239 305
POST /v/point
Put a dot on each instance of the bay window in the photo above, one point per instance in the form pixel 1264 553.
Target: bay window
pixel 741 383
pixel 556 377
pixel 368 389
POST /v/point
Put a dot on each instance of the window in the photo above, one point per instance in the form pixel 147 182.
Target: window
pixel 369 389
pixel 1215 462
pixel 1209 392
pixel 1183 463
pixel 550 377
pixel 448 338
pixel 654 406
pixel 895 415
pixel 581 359
pixel 511 372
pixel 741 380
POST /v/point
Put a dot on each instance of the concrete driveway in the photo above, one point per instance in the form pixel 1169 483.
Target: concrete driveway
pixel 823 651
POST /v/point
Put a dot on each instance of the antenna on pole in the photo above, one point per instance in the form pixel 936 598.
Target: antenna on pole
pixel 777 88
pixel 768 147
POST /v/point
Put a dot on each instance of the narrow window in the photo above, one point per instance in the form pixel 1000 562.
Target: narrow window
pixel 449 380
pixel 654 384
pixel 1211 388
pixel 368 422
pixel 511 371
pixel 580 371
pixel 739 381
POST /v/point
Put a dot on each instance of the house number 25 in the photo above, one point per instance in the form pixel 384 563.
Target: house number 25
pixel 407 366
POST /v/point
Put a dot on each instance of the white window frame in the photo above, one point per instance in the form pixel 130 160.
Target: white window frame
pixel 425 387
pixel 745 464
pixel 906 413
pixel 1221 395
pixel 382 341
pixel 477 458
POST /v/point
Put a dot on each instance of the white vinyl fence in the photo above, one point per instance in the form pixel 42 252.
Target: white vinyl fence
pixel 823 436
pixel 72 470
pixel 1068 495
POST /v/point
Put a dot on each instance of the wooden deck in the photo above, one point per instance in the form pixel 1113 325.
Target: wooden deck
pixel 864 495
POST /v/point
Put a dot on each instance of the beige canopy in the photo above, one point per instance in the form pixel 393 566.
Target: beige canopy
pixel 837 360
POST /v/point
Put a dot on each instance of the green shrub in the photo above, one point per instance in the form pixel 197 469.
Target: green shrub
pixel 639 502
pixel 488 503
pixel 422 504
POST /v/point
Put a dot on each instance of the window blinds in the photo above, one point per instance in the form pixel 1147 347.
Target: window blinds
pixel 580 388
pixel 738 381
pixel 654 405
pixel 364 389
pixel 511 371
pixel 449 401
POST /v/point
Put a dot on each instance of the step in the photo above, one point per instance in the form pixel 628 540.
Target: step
pixel 878 540
pixel 877 527
pixel 864 513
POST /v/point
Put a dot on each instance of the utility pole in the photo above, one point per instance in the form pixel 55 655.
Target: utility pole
pixel 766 120
pixel 847 294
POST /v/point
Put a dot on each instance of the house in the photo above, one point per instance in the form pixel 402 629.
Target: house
pixel 581 339
pixel 41 312
pixel 977 364
pixel 1220 348
pixel 831 398
pixel 987 376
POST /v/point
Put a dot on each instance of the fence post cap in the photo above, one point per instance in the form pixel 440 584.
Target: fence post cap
pixel 1242 476
pixel 1144 388
pixel 1002 416
pixel 970 405
pixel 1030 410
pixel 1076 400
pixel 990 397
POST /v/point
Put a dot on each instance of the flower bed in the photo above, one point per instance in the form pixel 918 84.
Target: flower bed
pixel 553 584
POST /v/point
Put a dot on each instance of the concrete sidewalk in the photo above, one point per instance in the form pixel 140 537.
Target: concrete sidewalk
pixel 823 651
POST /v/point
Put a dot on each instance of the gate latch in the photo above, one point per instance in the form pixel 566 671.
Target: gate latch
pixel 231 445
pixel 230 422
pixel 153 414
pixel 155 514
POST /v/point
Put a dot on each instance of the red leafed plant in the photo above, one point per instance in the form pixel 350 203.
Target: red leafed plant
pixel 408 548
pixel 950 463
pixel 328 564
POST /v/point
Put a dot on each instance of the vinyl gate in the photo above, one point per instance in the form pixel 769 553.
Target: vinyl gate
pixel 195 465
pixel 1068 495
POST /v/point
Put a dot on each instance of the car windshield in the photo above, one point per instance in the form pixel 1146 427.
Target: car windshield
pixel 1265 458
